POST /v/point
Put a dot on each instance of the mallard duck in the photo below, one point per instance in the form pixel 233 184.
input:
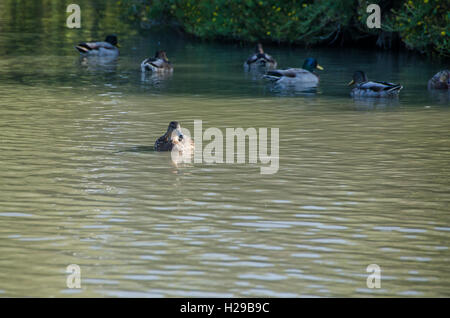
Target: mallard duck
pixel 174 139
pixel 158 63
pixel 364 87
pixel 296 75
pixel 109 47
pixel 441 80
pixel 260 59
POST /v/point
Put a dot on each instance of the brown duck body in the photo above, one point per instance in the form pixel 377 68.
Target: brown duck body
pixel 157 64
pixel 304 75
pixel 109 47
pixel 260 59
pixel 365 88
pixel 174 139
pixel 164 143
pixel 441 80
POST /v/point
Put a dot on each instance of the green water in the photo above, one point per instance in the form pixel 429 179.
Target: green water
pixel 359 181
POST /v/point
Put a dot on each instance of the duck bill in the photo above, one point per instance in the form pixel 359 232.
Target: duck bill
pixel 179 134
pixel 351 83
pixel 117 45
pixel 319 67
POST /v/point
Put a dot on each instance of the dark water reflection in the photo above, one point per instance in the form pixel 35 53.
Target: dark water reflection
pixel 360 181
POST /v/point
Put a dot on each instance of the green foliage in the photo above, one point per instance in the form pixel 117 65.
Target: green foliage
pixel 423 25
pixel 304 22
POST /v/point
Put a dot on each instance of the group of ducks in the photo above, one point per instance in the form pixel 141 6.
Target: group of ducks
pixel 261 60
pixel 306 75
pixel 174 139
pixel 110 48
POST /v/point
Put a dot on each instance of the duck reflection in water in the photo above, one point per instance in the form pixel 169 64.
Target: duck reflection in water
pixel 99 63
pixel 294 89
pixel 375 103
pixel 155 79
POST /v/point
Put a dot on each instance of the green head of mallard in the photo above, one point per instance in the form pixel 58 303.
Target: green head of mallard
pixel 112 39
pixel 311 64
pixel 358 77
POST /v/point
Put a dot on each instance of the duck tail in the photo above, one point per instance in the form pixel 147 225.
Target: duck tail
pixel 395 88
pixel 144 66
pixel 271 77
pixel 82 48
pixel 275 73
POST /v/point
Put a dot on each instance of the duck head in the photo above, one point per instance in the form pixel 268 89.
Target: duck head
pixel 259 49
pixel 112 39
pixel 311 64
pixel 358 77
pixel 174 133
pixel 161 55
pixel 444 77
pixel 260 54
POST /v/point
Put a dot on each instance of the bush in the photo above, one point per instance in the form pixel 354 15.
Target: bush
pixel 421 24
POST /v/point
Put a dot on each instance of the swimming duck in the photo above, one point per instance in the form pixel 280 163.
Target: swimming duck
pixel 174 139
pixel 158 63
pixel 441 80
pixel 260 59
pixel 296 75
pixel 364 87
pixel 109 47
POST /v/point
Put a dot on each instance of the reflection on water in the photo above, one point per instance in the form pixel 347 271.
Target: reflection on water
pixel 156 80
pixel 440 96
pixel 376 103
pixel 294 89
pixel 360 181
pixel 99 63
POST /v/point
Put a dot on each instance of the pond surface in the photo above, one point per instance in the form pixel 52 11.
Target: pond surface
pixel 359 182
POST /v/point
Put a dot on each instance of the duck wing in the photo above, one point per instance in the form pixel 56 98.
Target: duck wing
pixel 163 143
pixel 260 56
pixel 379 86
pixel 268 58
pixel 85 47
pixel 252 59
pixel 291 72
pixel 156 62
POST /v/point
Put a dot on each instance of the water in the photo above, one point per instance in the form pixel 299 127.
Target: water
pixel 360 182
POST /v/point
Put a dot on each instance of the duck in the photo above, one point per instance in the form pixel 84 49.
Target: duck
pixel 109 47
pixel 365 88
pixel 441 80
pixel 159 63
pixel 174 140
pixel 260 59
pixel 302 75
